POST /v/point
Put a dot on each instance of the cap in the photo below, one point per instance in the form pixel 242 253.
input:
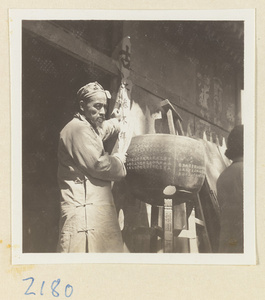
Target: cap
pixel 90 89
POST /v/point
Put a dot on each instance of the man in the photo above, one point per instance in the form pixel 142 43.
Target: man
pixel 88 216
pixel 230 196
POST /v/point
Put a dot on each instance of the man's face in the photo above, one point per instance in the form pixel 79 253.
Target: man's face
pixel 94 109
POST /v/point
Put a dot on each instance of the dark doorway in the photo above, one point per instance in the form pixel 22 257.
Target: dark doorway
pixel 50 79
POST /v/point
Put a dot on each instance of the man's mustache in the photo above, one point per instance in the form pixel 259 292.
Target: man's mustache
pixel 101 118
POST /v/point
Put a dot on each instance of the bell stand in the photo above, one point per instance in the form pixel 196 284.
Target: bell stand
pixel 179 231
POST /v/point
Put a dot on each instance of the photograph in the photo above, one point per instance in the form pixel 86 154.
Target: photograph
pixel 129 137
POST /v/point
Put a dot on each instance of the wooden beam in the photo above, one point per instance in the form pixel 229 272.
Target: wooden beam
pixel 70 44
pixel 170 121
pixel 77 47
pixel 67 42
pixel 167 105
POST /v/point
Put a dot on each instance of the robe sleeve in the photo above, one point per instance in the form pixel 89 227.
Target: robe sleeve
pixel 110 128
pixel 88 153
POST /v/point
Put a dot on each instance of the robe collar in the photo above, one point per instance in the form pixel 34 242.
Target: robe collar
pixel 83 118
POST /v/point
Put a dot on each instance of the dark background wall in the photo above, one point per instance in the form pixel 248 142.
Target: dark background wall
pixel 198 66
pixel 50 80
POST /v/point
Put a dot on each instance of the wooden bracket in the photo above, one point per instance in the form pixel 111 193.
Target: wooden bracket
pixel 172 117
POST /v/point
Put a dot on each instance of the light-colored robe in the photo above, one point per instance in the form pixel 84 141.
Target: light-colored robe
pixel 88 216
pixel 230 198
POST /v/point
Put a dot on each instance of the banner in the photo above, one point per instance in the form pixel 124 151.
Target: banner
pixel 123 102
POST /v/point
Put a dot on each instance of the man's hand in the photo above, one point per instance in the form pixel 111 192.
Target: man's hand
pixel 121 156
pixel 116 114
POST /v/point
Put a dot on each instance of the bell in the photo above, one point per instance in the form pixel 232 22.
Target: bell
pixel 155 161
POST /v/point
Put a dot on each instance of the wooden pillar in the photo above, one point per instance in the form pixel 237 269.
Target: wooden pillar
pixel 168 226
pixel 154 224
pixel 181 244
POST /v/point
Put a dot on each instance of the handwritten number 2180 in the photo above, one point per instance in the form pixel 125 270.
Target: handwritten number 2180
pixel 68 288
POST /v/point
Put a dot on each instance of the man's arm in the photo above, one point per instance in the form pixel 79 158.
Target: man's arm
pixel 90 157
pixel 109 128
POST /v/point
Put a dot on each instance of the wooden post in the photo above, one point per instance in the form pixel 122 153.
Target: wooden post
pixel 193 244
pixel 179 211
pixel 205 235
pixel 168 226
pixel 170 122
pixel 181 244
pixel 154 224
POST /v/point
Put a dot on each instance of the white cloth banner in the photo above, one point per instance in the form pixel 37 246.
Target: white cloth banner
pixel 123 102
